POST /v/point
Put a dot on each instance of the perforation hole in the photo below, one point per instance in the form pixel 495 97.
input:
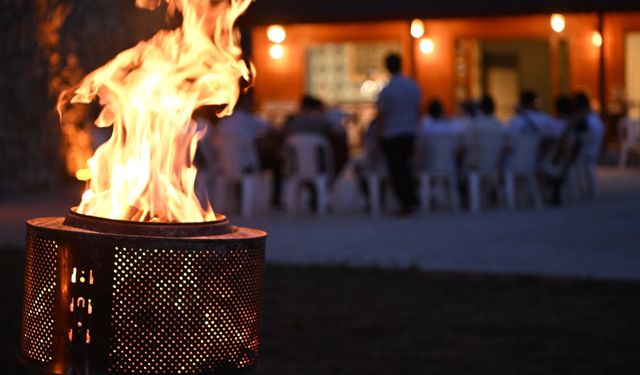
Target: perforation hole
pixel 184 312
pixel 39 286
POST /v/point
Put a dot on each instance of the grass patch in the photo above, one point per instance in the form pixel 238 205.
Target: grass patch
pixel 338 320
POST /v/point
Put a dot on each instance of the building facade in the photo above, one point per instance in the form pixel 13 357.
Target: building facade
pixel 597 50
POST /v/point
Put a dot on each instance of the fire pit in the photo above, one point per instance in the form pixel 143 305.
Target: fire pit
pixel 143 277
pixel 115 297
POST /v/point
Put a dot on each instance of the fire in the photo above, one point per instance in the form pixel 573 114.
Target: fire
pixel 145 171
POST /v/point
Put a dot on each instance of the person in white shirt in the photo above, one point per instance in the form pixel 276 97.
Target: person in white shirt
pixel 399 111
pixel 239 132
pixel 435 122
pixel 591 130
pixel 558 162
pixel 486 121
pixel 529 119
pixel 468 112
pixel 486 124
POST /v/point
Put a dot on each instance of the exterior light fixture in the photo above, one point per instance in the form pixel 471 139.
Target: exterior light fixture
pixel 558 22
pixel 427 46
pixel 276 51
pixel 276 34
pixel 596 39
pixel 417 28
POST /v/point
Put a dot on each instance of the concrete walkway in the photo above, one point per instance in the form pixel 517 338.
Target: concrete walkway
pixel 593 238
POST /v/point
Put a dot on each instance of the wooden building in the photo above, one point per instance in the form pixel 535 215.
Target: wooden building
pixel 334 49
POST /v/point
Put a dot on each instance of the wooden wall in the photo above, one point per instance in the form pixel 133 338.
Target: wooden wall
pixel 615 27
pixel 284 79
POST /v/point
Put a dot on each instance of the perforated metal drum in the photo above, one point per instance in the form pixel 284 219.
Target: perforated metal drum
pixel 109 297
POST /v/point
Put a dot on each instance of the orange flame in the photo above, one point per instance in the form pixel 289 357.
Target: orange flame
pixel 145 171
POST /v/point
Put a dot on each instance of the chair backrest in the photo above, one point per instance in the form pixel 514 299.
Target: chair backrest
pixel 373 160
pixel 484 152
pixel 629 130
pixel 524 153
pixel 308 155
pixel 436 152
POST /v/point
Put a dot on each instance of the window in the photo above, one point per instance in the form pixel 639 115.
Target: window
pixel 348 72
pixel 632 67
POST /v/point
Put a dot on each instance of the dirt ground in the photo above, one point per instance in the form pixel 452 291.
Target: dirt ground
pixel 340 320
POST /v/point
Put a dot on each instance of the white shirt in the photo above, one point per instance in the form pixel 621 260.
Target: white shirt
pixel 240 126
pixel 430 125
pixel 482 126
pixel 486 123
pixel 238 133
pixel 399 106
pixel 463 122
pixel 592 138
pixel 536 122
pixel 434 129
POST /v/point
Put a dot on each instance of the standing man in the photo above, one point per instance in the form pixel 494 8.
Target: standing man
pixel 399 113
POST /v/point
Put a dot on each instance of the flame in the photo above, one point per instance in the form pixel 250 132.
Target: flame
pixel 77 145
pixel 145 171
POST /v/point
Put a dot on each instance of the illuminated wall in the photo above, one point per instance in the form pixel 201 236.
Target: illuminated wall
pixel 284 80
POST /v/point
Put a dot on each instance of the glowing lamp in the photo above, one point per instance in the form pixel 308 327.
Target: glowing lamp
pixel 558 22
pixel 427 46
pixel 417 28
pixel 276 33
pixel 276 51
pixel 596 39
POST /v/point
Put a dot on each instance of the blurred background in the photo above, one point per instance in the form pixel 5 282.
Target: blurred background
pixel 538 290
pixel 331 50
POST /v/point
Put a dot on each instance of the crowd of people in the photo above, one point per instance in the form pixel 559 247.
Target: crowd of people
pixel 243 143
pixel 575 132
pixel 394 137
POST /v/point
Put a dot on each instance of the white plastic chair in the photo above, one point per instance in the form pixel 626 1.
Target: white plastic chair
pixel 375 179
pixel 483 158
pixel 237 165
pixel 309 159
pixel 523 164
pixel 629 131
pixel 376 173
pixel 436 163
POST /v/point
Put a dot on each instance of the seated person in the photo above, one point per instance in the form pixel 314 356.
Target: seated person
pixel 313 118
pixel 483 125
pixel 530 119
pixel 240 131
pixel 435 122
pixel 468 112
pixel 590 126
pixel 310 119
